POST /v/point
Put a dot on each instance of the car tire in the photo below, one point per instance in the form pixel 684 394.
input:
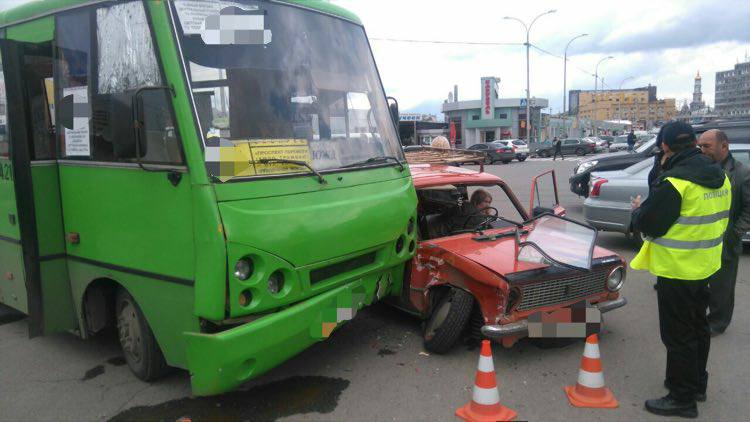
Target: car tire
pixel 580 152
pixel 448 320
pixel 142 352
pixel 521 160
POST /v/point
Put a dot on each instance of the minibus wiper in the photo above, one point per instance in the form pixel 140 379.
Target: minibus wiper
pixel 294 162
pixel 375 160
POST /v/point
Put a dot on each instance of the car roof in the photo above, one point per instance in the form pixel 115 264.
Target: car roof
pixel 430 175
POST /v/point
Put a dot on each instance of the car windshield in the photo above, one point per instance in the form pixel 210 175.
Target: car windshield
pixel 282 83
pixel 564 241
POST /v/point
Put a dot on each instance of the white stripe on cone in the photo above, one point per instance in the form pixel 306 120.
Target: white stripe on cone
pixel 591 351
pixel 590 379
pixel 486 396
pixel 485 364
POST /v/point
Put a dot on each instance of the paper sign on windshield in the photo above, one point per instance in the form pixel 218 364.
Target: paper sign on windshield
pixel 224 23
pixel 227 159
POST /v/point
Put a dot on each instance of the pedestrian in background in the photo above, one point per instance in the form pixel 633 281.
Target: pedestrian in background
pixel 684 218
pixel 558 148
pixel 631 140
pixel 715 144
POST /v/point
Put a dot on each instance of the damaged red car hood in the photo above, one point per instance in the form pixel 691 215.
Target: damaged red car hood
pixel 499 255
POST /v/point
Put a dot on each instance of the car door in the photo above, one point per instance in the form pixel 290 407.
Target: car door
pixel 569 146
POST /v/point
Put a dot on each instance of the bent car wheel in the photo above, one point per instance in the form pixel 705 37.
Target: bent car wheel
pixel 142 353
pixel 448 320
pixel 580 152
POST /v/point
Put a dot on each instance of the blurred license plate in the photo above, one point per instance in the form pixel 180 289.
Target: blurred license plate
pixel 577 321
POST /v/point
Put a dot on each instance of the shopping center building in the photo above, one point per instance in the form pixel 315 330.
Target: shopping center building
pixel 492 117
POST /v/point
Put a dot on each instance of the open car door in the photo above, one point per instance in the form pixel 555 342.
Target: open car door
pixel 544 197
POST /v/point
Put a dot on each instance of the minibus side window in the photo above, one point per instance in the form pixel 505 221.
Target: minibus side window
pixel 73 64
pixel 4 143
pixel 125 61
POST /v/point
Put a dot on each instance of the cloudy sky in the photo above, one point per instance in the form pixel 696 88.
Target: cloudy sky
pixel 662 42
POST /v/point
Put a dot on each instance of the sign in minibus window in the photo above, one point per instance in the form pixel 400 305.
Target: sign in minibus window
pixel 275 72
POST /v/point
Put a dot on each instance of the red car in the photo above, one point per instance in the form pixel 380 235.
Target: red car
pixel 497 269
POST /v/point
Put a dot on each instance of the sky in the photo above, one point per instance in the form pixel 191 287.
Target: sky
pixel 662 42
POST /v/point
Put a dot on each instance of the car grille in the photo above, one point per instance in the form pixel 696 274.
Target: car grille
pixel 556 291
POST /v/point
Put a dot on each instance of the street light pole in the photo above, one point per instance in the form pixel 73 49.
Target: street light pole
pixel 528 84
pixel 596 90
pixel 565 73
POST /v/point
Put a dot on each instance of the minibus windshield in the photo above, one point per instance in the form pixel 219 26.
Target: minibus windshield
pixel 281 82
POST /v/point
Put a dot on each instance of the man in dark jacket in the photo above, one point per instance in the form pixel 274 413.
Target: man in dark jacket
pixel 631 140
pixel 683 250
pixel 558 148
pixel 715 144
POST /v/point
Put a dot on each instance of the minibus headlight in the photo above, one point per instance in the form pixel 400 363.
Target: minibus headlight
pixel 243 269
pixel 276 282
pixel 616 279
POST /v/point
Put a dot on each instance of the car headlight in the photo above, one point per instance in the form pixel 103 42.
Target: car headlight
pixel 586 165
pixel 616 279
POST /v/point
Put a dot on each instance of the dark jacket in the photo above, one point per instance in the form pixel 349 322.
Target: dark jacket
pixel 631 138
pixel 739 217
pixel 558 145
pixel 662 207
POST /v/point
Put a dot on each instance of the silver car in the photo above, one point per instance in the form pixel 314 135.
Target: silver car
pixel 608 204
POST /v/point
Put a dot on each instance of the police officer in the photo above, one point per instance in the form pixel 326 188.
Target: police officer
pixel 684 219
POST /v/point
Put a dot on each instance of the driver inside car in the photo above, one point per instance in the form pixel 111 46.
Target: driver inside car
pixel 482 201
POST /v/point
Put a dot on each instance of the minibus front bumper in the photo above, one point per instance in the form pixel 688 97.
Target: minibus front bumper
pixel 222 361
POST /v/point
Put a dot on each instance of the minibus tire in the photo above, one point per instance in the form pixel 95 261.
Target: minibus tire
pixel 447 321
pixel 146 361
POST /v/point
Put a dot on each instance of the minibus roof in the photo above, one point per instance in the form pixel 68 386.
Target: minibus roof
pixel 32 9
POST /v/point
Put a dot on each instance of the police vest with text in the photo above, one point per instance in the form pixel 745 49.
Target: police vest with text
pixel 691 249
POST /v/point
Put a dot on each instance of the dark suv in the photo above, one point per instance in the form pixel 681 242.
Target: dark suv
pixel 738 132
pixel 569 147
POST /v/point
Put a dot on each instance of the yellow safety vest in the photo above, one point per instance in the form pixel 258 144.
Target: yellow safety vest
pixel 691 249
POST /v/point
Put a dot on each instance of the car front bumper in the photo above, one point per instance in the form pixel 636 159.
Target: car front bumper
pixel 521 328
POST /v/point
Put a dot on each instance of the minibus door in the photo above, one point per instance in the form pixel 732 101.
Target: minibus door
pixel 28 71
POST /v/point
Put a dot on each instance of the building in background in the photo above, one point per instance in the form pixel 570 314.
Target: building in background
pixel 492 117
pixel 638 105
pixel 696 111
pixel 733 91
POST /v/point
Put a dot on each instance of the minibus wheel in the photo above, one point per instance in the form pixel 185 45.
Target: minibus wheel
pixel 142 352
pixel 447 321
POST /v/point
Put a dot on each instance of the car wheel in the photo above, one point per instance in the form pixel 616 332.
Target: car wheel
pixel 580 151
pixel 142 352
pixel 448 321
pixel 521 159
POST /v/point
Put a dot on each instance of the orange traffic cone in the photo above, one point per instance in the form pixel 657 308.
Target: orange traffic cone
pixel 590 390
pixel 485 401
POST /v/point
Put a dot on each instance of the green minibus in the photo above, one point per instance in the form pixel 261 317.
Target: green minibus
pixel 220 182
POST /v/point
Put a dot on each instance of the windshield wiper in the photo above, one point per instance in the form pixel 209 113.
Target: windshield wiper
pixel 377 160
pixel 321 180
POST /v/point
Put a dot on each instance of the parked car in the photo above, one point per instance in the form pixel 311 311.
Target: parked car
pixel 608 204
pixel 600 144
pixel 495 152
pixel 492 272
pixel 569 147
pixel 520 147
pixel 579 182
pixel 620 143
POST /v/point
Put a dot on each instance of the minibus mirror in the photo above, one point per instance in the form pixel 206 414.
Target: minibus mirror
pixel 150 117
pixel 393 107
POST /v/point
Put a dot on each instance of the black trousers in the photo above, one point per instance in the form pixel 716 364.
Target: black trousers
pixel 558 151
pixel 684 331
pixel 721 284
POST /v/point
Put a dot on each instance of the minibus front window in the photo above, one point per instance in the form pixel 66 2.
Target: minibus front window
pixel 284 83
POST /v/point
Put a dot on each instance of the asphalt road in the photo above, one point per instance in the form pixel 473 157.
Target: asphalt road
pixel 375 368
